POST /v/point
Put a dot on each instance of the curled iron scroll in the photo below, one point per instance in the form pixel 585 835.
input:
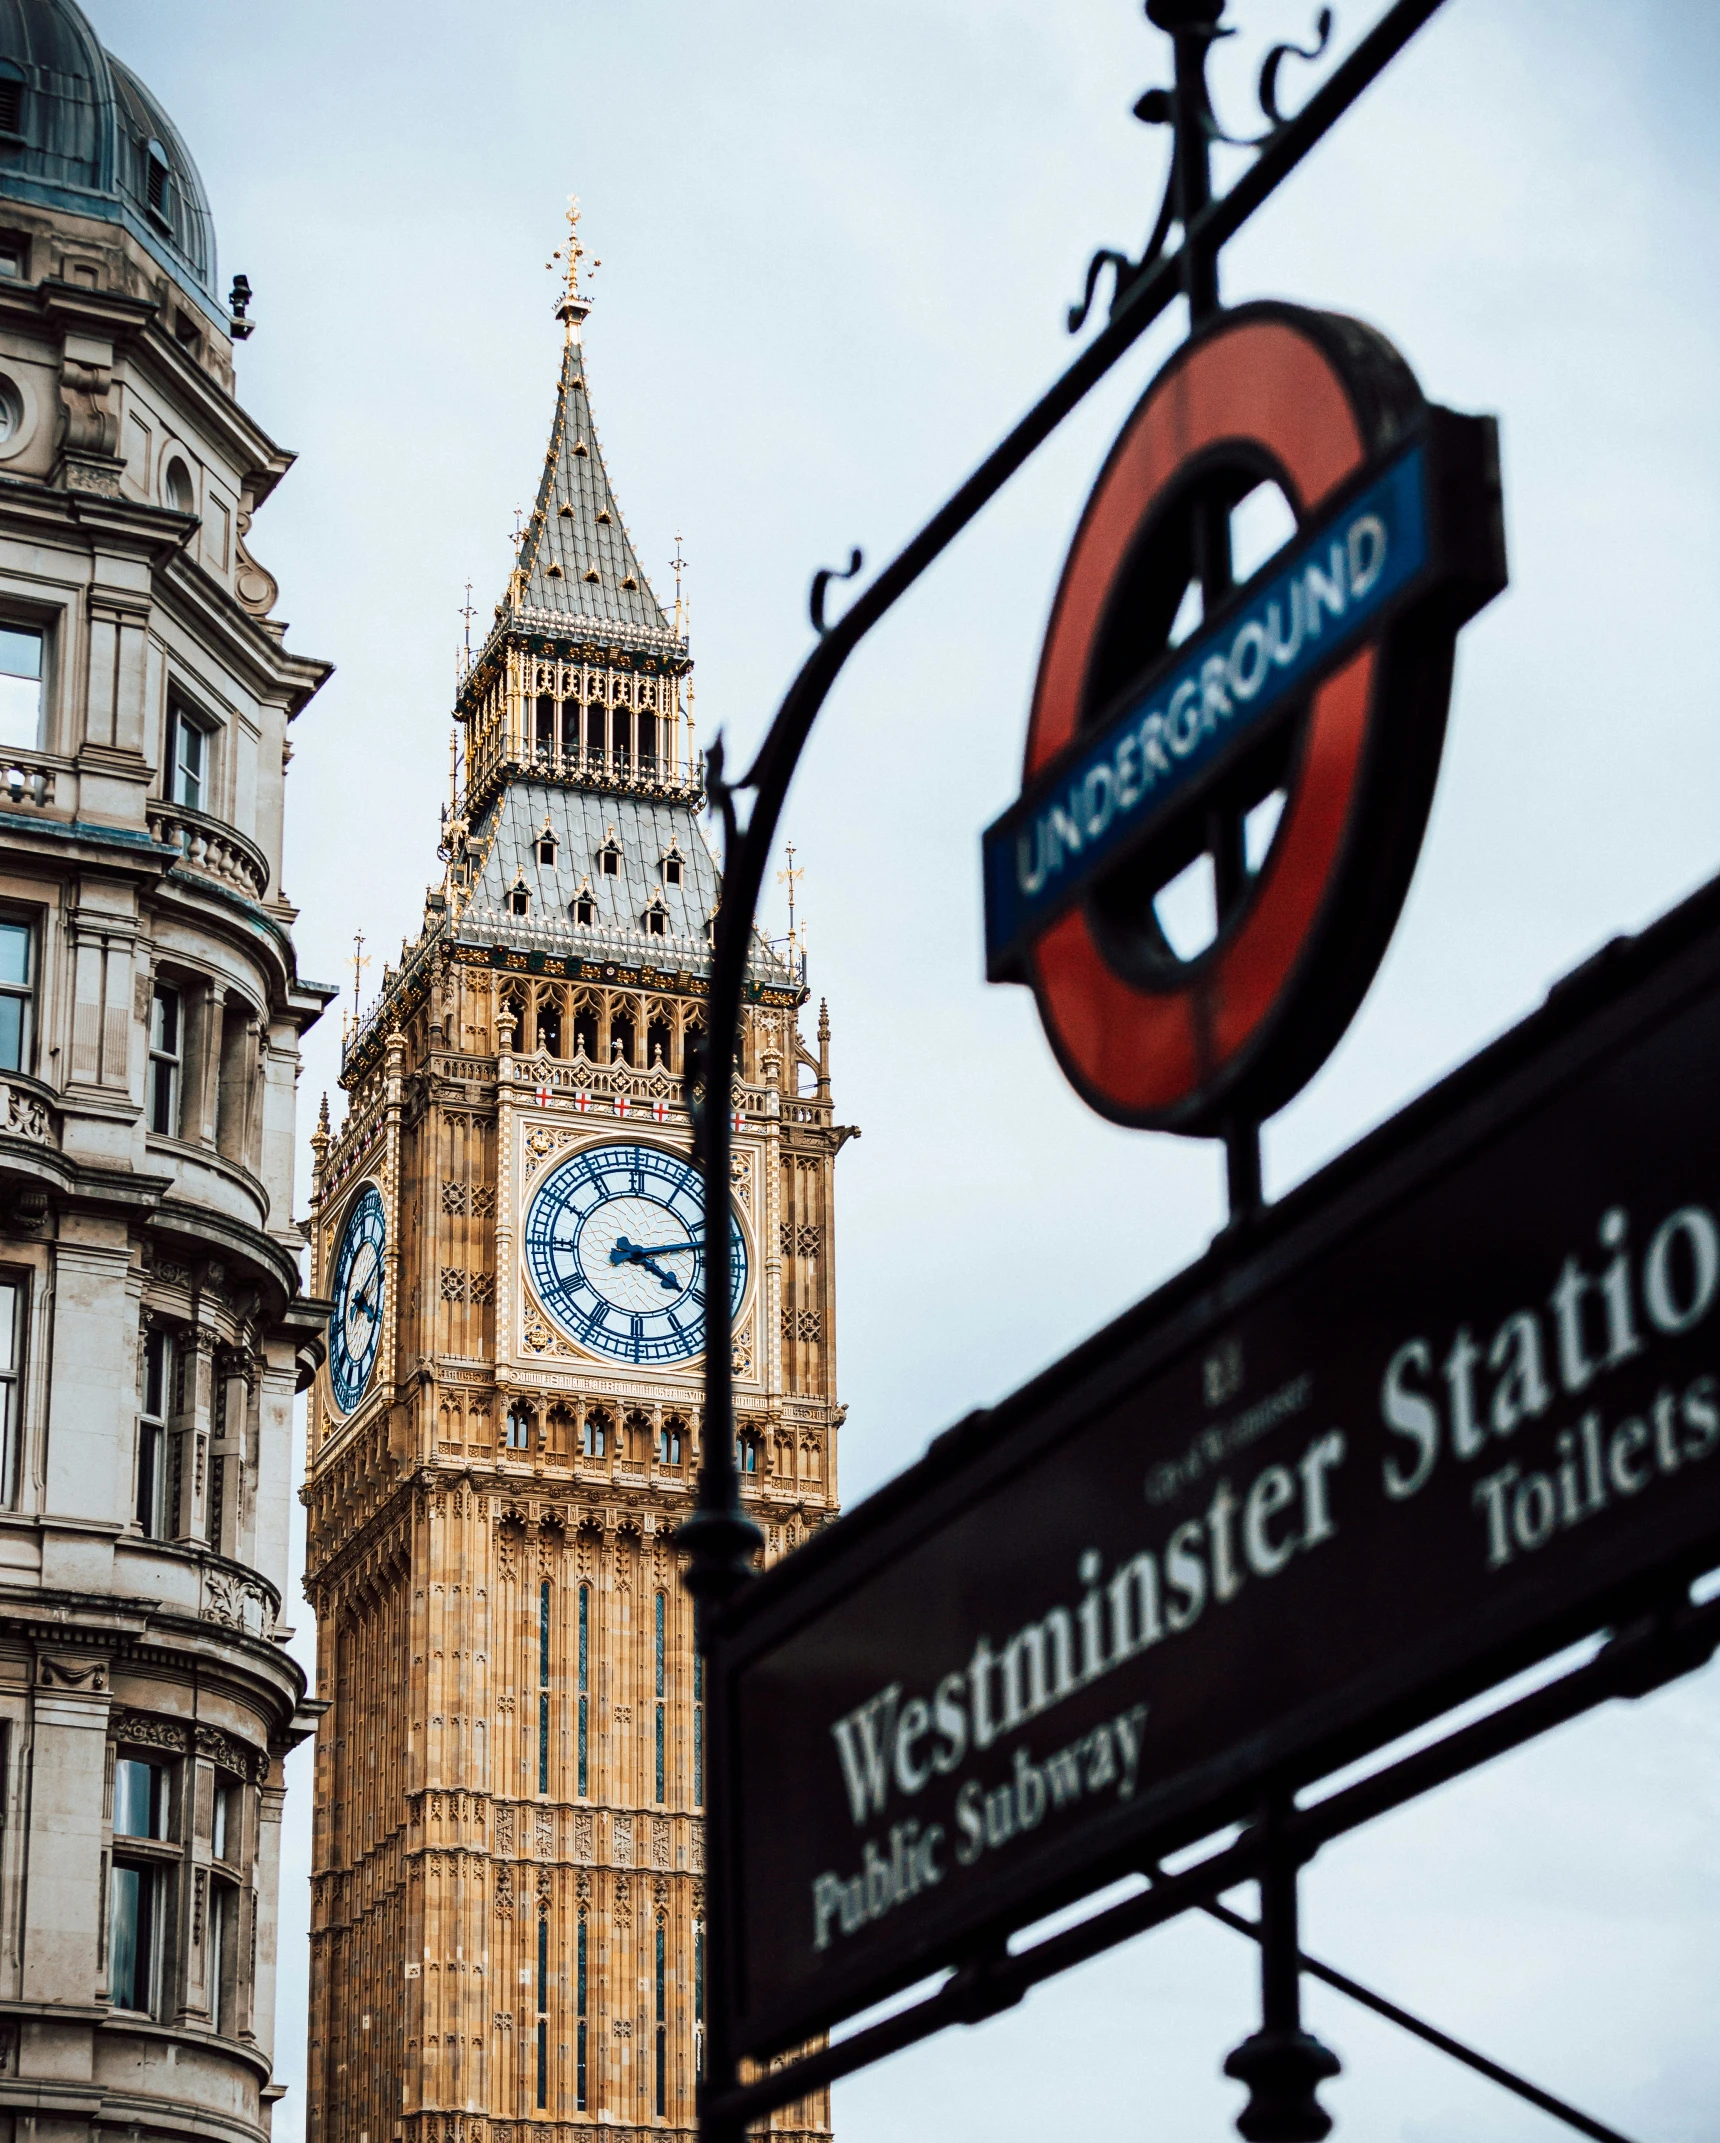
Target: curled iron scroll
pixel 821 581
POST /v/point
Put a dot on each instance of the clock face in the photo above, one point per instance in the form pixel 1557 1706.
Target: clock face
pixel 356 1326
pixel 614 1244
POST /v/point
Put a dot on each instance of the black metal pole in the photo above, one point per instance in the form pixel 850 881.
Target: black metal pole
pixel 719 1540
pixel 1282 2065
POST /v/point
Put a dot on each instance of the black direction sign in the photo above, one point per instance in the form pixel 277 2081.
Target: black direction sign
pixel 1455 1403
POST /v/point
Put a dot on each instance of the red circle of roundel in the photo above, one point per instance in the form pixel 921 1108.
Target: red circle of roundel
pixel 1236 1032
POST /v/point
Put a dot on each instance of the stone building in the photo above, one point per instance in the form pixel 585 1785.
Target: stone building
pixel 507 1917
pixel 151 1323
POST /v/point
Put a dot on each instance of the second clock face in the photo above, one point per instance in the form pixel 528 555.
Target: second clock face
pixel 356 1324
pixel 614 1246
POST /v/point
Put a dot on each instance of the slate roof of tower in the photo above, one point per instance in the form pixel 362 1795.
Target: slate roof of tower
pixel 577 568
pixel 583 822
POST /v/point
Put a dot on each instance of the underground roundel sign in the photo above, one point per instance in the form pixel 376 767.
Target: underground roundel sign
pixel 1288 733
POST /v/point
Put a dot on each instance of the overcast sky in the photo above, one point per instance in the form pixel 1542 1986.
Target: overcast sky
pixel 837 245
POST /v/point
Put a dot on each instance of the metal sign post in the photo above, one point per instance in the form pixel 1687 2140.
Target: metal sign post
pixel 1346 1470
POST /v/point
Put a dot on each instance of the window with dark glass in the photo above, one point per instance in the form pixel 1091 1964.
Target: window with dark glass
pixel 543 1687
pixel 152 1435
pixel 594 1437
pixel 187 778
pixel 546 849
pixel 225 1823
pixel 671 870
pixel 584 1684
pixel 21 686
pixel 11 109
pixel 519 1428
pixel 164 1047
pixel 585 911
pixel 698 1730
pixel 669 1443
pixel 140 1798
pixel 17 995
pixel 222 1960
pixel 135 1919
pixel 661 1674
pixel 11 1379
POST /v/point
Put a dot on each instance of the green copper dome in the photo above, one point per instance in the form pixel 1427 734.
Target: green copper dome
pixel 79 131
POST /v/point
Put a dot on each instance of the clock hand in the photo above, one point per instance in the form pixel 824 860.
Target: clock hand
pixel 626 1253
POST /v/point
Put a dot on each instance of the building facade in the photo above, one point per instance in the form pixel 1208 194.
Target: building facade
pixel 152 1329
pixel 508 1913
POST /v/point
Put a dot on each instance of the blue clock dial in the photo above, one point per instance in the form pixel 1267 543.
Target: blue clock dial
pixel 614 1244
pixel 356 1325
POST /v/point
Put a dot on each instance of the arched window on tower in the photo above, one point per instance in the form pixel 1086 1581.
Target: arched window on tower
pixel 549 1029
pixel 621 1038
pixel 648 743
pixel 746 1452
pixel 519 1426
pixel 585 1033
pixel 545 727
pixel 669 1444
pixel 659 1040
pixel 594 1439
pixel 595 727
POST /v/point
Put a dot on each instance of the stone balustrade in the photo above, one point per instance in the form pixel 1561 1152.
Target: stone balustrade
pixel 25 777
pixel 217 851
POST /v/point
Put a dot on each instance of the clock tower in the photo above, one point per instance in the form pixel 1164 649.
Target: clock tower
pixel 507 1940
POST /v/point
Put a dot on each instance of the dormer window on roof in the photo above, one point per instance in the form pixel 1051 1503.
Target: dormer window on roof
pixel 546 843
pixel 584 909
pixel 656 917
pixel 674 864
pixel 158 181
pixel 609 856
pixel 519 895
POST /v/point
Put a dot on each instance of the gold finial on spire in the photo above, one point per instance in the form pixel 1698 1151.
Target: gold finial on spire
pixel 790 878
pixel 570 253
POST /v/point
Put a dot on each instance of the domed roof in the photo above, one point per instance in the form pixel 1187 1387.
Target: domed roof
pixel 79 131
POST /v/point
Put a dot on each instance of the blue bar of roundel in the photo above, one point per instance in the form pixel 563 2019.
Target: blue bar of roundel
pixel 1344 574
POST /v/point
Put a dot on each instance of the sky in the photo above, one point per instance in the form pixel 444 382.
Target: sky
pixel 837 246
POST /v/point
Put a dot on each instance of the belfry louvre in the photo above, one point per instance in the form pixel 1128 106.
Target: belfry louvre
pixel 508 1889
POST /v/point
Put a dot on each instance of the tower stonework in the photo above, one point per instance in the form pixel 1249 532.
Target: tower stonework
pixel 507 1931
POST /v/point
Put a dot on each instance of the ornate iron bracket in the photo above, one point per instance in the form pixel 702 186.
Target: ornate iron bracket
pixel 1194 28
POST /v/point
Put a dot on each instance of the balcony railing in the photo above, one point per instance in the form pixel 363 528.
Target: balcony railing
pixel 26 777
pixel 217 851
